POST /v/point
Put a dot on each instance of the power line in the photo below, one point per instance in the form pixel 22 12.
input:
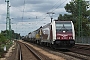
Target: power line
pixel 56 7
pixel 51 8
pixel 23 14
pixel 59 5
pixel 23 11
pixel 55 4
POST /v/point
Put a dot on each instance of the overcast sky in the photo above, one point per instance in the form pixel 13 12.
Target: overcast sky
pixel 29 15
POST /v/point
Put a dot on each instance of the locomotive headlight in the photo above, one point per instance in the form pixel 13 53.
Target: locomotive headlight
pixel 64 31
pixel 70 37
pixel 58 37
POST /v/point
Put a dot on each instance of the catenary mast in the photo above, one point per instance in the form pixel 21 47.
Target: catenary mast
pixel 8 20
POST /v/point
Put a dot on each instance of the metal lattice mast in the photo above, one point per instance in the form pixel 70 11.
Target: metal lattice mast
pixel 8 23
pixel 80 20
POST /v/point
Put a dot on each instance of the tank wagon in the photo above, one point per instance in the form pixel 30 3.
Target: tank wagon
pixel 58 34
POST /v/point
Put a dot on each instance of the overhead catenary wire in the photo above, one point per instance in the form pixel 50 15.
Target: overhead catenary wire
pixel 54 5
pixel 23 10
pixel 55 8
pixel 59 5
pixel 50 9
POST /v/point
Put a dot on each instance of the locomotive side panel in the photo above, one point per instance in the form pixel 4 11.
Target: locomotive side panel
pixel 45 33
pixel 73 31
pixel 53 31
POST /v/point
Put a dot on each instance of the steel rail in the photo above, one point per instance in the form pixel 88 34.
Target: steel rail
pixel 19 52
pixel 76 55
pixel 33 52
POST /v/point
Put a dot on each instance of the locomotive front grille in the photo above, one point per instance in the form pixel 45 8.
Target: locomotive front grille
pixel 64 42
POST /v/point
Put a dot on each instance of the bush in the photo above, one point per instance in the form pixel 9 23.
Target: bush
pixel 3 42
pixel 3 39
pixel 1 52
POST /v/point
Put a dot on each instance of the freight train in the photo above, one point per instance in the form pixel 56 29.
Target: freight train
pixel 57 34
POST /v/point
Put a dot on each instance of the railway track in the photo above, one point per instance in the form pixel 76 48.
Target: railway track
pixel 19 52
pixel 33 52
pixel 69 54
pixel 81 49
pixel 76 55
pixel 27 53
pixel 80 52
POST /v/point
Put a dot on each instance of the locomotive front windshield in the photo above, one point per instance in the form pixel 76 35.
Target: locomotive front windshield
pixel 63 26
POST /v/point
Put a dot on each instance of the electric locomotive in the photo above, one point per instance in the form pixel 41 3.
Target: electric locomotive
pixel 58 34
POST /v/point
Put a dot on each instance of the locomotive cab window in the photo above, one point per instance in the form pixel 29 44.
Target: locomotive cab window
pixel 63 27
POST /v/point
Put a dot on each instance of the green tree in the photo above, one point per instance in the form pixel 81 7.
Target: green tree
pixel 73 8
pixel 60 17
pixel 13 34
pixel 88 12
pixel 3 39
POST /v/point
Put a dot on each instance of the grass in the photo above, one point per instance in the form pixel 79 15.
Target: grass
pixel 2 52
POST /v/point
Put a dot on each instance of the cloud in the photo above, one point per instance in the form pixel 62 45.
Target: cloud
pixel 2 1
pixel 2 27
pixel 28 15
pixel 2 13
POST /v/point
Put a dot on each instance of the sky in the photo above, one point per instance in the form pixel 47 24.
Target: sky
pixel 28 15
